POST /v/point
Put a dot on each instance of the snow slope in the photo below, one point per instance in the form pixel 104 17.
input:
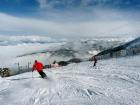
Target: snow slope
pixel 112 82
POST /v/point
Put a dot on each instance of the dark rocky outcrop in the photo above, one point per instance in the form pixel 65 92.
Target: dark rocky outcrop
pixel 75 60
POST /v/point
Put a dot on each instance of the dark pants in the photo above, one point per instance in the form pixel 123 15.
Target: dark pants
pixel 43 75
pixel 94 64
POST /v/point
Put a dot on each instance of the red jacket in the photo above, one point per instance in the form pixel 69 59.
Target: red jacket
pixel 38 66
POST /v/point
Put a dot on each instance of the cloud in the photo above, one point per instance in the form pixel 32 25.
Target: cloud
pixel 104 23
pixel 42 3
pixel 53 4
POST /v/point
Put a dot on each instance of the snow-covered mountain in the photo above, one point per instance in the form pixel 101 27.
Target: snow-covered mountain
pixel 127 49
pixel 112 82
pixel 83 48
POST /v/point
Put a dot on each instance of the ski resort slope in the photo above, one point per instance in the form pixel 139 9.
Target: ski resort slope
pixel 112 82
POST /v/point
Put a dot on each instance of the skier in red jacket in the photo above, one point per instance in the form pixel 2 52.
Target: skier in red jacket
pixel 39 67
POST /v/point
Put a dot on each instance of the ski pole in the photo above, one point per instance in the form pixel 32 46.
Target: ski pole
pixel 32 74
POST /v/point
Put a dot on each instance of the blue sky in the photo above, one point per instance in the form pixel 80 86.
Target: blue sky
pixel 30 7
pixel 69 17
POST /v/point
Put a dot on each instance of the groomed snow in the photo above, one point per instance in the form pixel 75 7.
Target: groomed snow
pixel 112 82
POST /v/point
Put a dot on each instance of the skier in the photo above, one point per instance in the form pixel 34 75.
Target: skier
pixel 95 60
pixel 39 67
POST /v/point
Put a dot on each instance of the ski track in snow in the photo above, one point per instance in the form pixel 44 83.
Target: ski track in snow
pixel 112 82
